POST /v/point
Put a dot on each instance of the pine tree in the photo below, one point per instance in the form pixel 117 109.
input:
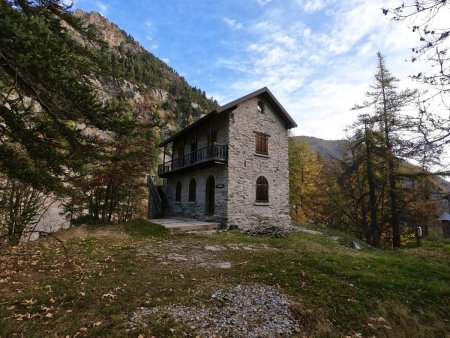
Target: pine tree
pixel 47 104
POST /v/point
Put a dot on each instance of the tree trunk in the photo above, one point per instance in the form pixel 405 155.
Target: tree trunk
pixel 375 231
pixel 395 217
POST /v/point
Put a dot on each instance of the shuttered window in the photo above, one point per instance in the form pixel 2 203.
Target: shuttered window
pixel 262 143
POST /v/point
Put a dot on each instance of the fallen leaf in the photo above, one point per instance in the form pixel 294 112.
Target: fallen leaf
pixel 109 295
pixel 29 301
pixel 49 315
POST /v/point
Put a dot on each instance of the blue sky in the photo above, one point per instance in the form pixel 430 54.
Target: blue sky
pixel 317 56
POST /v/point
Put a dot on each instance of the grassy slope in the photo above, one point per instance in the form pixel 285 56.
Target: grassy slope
pixel 110 274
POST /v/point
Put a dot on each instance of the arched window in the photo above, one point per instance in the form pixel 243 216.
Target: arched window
pixel 262 189
pixel 178 192
pixel 192 190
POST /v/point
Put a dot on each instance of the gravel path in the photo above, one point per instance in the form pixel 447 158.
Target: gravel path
pixel 243 311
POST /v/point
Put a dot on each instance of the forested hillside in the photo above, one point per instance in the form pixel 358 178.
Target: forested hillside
pixel 127 67
pixel 83 109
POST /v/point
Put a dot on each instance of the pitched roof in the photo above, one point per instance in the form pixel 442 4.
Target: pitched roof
pixel 265 92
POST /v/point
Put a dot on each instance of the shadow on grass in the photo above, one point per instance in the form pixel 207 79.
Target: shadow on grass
pixel 144 228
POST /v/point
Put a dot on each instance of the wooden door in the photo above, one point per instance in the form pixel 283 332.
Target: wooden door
pixel 210 195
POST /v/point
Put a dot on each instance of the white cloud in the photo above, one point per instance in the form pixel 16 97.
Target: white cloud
pixel 102 7
pixel 319 72
pixel 263 2
pixel 314 6
pixel 233 24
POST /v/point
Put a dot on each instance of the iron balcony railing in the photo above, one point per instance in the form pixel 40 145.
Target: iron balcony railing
pixel 154 192
pixel 213 152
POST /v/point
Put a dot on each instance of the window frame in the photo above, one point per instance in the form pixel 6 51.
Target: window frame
pixel 262 190
pixel 261 143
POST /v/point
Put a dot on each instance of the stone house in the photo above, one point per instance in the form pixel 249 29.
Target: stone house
pixel 230 166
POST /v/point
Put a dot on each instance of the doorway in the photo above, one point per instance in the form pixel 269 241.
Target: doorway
pixel 210 194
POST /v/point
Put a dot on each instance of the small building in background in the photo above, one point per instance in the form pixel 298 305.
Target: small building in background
pixel 445 218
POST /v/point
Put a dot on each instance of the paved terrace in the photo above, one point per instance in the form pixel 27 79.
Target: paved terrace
pixel 185 224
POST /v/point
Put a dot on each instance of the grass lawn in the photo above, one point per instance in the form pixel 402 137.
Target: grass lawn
pixel 111 271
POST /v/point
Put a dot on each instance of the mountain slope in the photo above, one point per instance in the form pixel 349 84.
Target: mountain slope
pixel 326 148
pixel 137 75
pixel 333 149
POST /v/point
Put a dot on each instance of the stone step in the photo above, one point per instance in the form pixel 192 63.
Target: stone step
pixel 176 225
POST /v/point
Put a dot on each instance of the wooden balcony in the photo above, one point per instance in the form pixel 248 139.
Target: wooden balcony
pixel 212 154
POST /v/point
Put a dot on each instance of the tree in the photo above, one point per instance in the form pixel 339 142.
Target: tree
pixel 304 181
pixel 387 103
pixel 429 20
pixel 363 179
pixel 426 17
pixel 113 187
pixel 20 207
pixel 47 104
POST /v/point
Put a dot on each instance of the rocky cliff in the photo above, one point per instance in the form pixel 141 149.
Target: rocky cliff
pixel 140 78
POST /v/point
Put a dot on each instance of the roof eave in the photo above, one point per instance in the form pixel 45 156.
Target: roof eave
pixel 289 122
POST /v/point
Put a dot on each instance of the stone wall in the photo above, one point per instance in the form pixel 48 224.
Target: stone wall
pixel 53 219
pixel 245 166
pixel 196 209
pixel 219 172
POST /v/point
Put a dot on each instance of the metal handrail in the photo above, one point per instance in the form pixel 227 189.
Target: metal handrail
pixel 155 193
pixel 217 152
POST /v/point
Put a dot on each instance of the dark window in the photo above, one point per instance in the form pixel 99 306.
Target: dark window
pixel 262 143
pixel 178 192
pixel 260 107
pixel 192 190
pixel 262 189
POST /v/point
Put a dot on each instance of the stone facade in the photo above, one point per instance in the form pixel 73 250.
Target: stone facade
pixel 196 209
pixel 235 203
pixel 245 166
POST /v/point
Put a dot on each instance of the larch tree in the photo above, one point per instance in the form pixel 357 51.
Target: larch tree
pixel 304 180
pixel 387 103
pixel 428 19
pixel 362 179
